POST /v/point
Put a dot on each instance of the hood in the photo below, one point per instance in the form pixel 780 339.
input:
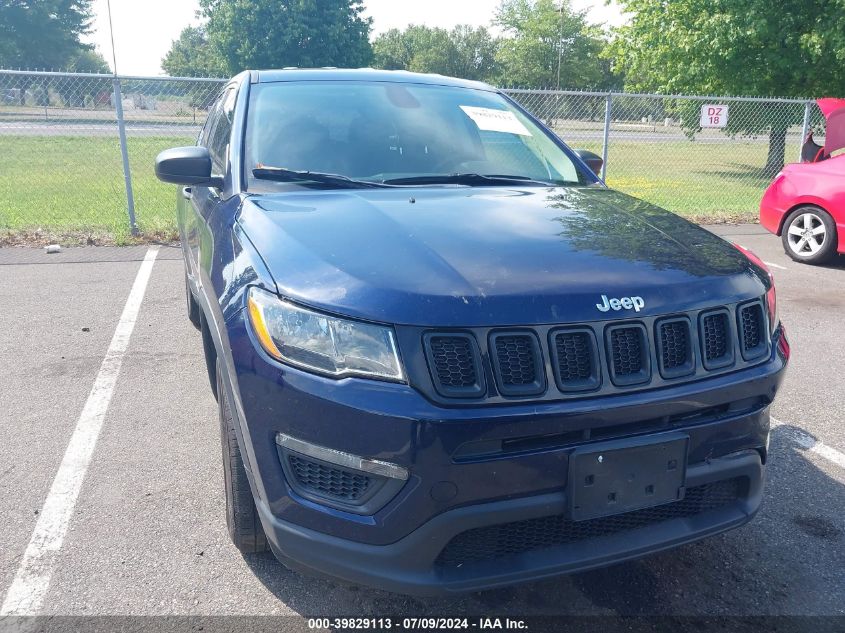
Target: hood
pixel 469 256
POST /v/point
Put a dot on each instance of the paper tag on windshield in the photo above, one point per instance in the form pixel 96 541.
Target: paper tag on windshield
pixel 495 120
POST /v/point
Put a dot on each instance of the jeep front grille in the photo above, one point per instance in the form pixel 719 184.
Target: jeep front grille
pixel 553 362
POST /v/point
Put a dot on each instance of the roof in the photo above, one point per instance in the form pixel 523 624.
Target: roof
pixel 363 74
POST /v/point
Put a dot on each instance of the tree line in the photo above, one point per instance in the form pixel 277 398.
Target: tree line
pixel 46 35
pixel 729 47
pixel 543 43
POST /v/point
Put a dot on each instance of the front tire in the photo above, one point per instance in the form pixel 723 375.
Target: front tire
pixel 809 235
pixel 241 514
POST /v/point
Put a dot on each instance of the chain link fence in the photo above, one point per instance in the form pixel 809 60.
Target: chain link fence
pixel 77 150
pixel 654 147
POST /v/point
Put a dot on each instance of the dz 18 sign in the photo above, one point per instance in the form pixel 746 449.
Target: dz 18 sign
pixel 714 115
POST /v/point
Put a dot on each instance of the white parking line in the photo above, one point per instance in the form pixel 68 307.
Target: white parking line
pixel 765 262
pixel 773 265
pixel 29 587
pixel 809 443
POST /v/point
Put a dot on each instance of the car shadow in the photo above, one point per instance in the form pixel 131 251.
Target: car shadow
pixel 780 563
pixel 742 171
pixel 835 264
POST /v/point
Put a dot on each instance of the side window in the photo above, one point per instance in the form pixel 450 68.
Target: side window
pixel 218 143
pixel 205 132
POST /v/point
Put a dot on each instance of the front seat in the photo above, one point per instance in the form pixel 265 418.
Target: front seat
pixel 812 152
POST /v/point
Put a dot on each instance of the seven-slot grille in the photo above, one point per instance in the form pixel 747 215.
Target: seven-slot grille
pixel 598 356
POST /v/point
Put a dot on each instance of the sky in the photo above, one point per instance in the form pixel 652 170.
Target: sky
pixel 144 29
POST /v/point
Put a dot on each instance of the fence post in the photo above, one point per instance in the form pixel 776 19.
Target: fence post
pixel 607 110
pixel 124 152
pixel 806 129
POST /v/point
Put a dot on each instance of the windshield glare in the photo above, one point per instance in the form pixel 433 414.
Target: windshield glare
pixel 382 131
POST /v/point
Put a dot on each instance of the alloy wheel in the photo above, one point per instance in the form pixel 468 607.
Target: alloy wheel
pixel 807 234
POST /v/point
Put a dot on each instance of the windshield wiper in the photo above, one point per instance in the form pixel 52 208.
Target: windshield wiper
pixel 280 174
pixel 471 179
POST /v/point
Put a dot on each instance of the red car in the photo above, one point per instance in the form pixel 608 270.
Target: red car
pixel 805 204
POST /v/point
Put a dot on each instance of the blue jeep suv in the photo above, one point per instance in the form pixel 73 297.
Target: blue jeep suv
pixel 447 357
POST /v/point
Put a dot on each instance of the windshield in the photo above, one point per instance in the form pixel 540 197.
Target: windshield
pixel 395 133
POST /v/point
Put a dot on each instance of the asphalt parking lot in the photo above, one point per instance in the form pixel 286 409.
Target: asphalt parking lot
pixel 146 534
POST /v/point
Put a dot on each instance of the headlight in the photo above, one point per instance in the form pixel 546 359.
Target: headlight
pixel 322 343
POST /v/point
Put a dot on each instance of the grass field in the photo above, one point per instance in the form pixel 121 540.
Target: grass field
pixel 714 182
pixel 72 187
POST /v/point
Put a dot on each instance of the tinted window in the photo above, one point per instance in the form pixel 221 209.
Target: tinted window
pixel 210 120
pixel 221 133
pixel 380 131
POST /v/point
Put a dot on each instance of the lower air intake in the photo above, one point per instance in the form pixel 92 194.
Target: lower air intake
pixel 508 539
pixel 324 480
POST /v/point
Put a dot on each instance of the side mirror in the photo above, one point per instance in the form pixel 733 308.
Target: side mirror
pixel 186 166
pixel 594 161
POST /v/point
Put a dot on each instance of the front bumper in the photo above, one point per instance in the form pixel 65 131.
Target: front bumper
pixel 399 547
pixel 412 565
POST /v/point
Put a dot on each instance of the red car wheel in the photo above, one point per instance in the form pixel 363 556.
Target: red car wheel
pixel 809 235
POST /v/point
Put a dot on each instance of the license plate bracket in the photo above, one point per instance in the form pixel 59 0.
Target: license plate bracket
pixel 625 475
